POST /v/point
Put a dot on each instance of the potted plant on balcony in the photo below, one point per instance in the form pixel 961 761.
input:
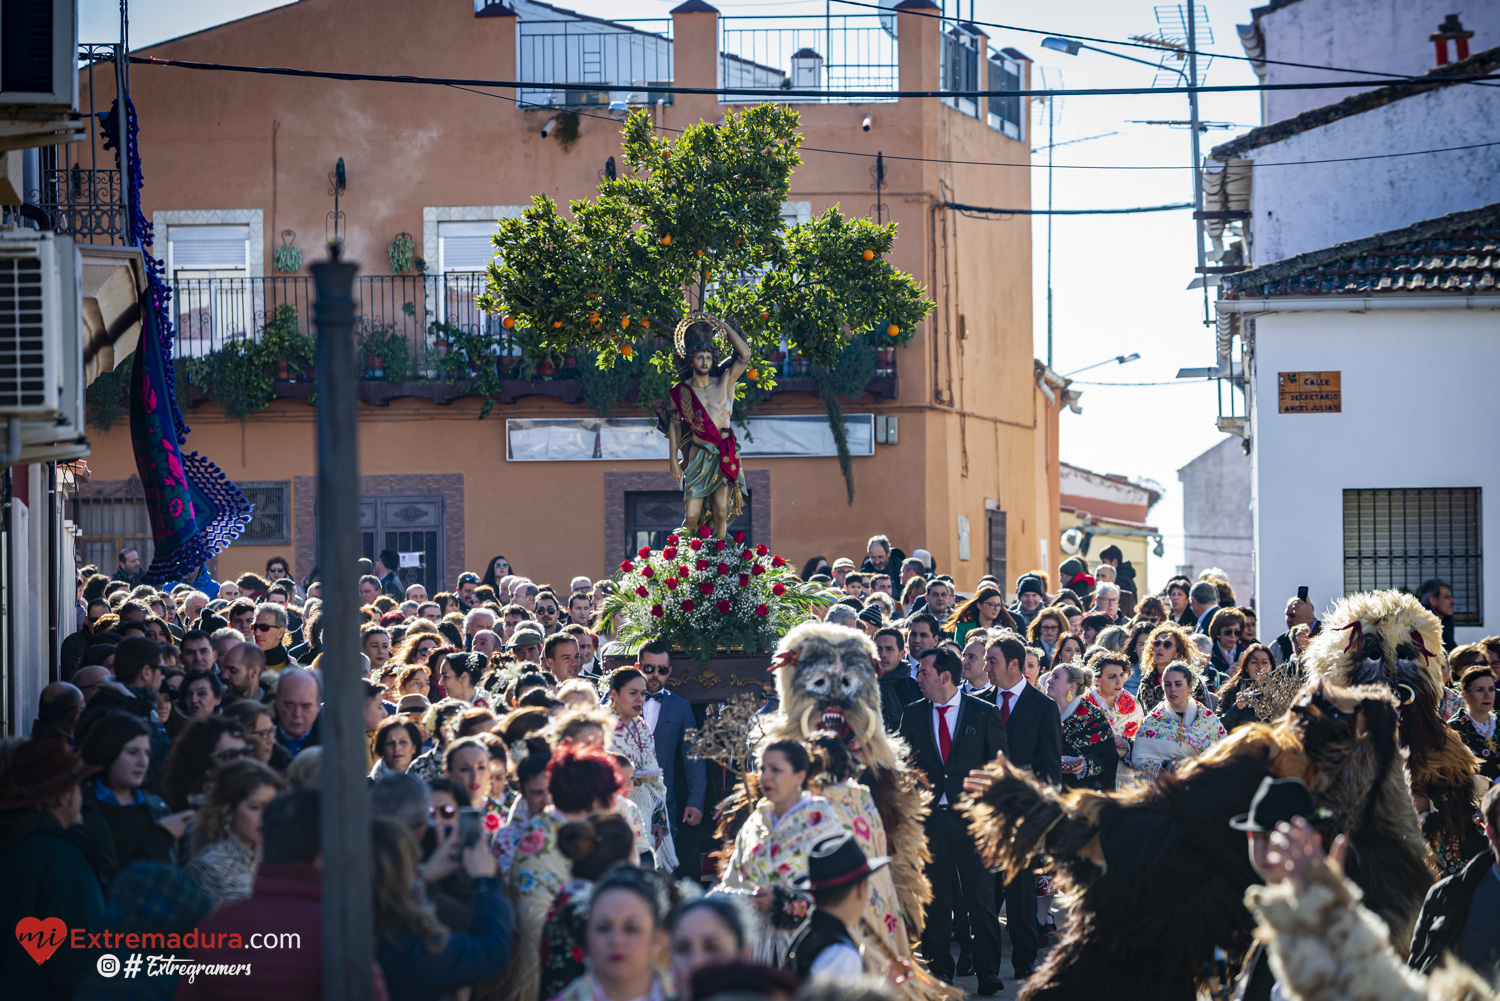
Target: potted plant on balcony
pixel 720 604
pixel 695 224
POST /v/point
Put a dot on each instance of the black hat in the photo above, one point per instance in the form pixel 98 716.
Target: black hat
pixel 872 615
pixel 838 861
pixel 1277 801
pixel 1030 583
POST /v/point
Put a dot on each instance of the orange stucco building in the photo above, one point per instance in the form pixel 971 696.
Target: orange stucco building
pixel 232 159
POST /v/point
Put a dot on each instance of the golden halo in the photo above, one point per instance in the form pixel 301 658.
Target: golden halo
pixel 697 316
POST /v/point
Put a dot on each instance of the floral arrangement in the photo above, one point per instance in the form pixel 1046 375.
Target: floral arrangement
pixel 704 596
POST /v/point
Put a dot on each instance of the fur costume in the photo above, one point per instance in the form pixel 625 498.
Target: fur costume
pixel 1386 637
pixel 1160 875
pixel 826 680
pixel 1325 945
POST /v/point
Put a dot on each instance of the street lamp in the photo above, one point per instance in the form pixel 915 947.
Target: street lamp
pixel 1116 360
pixel 1069 47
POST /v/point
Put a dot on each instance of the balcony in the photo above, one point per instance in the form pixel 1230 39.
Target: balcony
pixel 408 329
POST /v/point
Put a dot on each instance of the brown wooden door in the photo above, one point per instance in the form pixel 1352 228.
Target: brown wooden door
pixel 995 523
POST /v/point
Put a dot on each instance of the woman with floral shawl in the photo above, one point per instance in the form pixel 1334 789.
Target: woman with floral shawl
pixel 771 848
pixel 1088 744
pixel 1180 727
pixel 633 739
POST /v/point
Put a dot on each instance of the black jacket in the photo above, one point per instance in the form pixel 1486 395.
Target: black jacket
pixel 898 689
pixel 892 569
pixel 819 931
pixel 978 737
pixel 1125 577
pixel 127 834
pixel 1445 913
pixel 1034 734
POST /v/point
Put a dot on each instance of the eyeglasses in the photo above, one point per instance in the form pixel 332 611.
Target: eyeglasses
pixel 263 734
pixel 544 610
pixel 1230 633
pixel 263 627
pixel 446 812
pixel 661 669
pixel 230 754
pixel 1158 644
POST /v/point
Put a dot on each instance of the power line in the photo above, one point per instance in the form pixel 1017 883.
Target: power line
pixel 1060 166
pixel 777 92
pixel 1172 382
pixel 989 211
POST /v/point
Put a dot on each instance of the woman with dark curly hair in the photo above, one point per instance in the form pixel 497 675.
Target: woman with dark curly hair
pixel 1152 610
pixel 397 743
pixel 203 747
pixel 227 832
pixel 497 568
pixel 1168 643
pixel 1050 624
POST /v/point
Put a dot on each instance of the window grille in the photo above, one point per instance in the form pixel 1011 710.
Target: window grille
pixel 270 519
pixel 1399 538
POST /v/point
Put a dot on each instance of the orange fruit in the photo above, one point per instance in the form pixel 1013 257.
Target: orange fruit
pixel 765 315
pixel 869 255
pixel 626 350
pixel 508 322
pixel 892 330
pixel 646 324
pixel 556 324
pixel 752 373
pixel 624 321
pixel 700 253
pixel 666 241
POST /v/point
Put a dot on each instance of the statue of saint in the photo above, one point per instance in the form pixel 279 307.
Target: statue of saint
pixel 703 453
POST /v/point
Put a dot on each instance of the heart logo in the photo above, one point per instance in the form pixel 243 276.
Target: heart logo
pixel 41 937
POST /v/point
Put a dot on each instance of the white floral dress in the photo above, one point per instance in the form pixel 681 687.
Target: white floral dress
pixel 633 739
pixel 1164 737
pixel 769 853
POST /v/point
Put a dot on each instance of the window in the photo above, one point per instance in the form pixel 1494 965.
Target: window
pixel 1005 112
pixel 651 516
pixel 1399 538
pixel 961 67
pixel 465 246
pixel 270 515
pixel 208 267
pixel 108 524
pixel 576 439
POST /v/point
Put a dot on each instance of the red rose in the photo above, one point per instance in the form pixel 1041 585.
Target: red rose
pixel 669 553
pixel 642 591
pixel 744 580
pixel 747 555
pixel 702 564
pixel 645 552
pixel 671 583
pixel 685 570
pixel 706 587
pixel 722 605
pixel 687 604
pixel 695 544
pixel 816 818
pixel 720 545
pixel 762 611
pixel 576 953
pixel 761 550
pixel 672 539
pixel 647 572
pixel 657 611
pixel 723 569
pixel 778 589
pixel 627 566
pixel 739 536
pixel 757 570
pixel 492 822
pixel 777 561
pixel 703 532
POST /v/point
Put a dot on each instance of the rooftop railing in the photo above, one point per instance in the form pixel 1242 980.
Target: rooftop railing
pixel 837 53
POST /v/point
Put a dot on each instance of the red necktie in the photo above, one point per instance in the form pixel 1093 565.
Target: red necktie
pixel 945 739
pixel 1005 707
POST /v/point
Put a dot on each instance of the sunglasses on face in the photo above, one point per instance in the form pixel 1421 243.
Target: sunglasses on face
pixel 661 669
pixel 1230 633
pixel 1159 644
pixel 263 627
pixel 446 812
pixel 544 610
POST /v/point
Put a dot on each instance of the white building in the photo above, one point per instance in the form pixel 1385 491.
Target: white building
pixel 1361 343
pixel 1216 520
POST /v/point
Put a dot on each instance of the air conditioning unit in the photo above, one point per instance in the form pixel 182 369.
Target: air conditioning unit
pixel 30 326
pixel 39 54
pixel 67 425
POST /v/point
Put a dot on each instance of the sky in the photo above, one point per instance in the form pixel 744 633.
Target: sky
pixel 1119 282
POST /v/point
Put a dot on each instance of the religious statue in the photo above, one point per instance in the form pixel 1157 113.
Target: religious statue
pixel 702 451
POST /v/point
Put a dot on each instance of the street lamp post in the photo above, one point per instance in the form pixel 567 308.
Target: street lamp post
pixel 1116 360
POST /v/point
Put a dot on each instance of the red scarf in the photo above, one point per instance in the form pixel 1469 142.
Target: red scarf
pixel 697 419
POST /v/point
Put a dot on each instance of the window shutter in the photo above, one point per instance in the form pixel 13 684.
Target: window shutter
pixel 465 246
pixel 209 248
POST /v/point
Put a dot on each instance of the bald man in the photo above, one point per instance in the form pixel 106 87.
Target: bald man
pixel 88 679
pixel 58 710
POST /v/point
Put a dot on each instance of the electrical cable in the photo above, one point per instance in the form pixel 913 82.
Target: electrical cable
pixel 989 211
pixel 998 163
pixel 780 94
pixel 1171 382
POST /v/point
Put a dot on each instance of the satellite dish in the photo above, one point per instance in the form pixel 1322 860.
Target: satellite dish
pixel 1075 542
pixel 888 16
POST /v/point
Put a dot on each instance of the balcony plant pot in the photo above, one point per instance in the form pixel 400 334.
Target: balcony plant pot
pixel 546 369
pixel 283 371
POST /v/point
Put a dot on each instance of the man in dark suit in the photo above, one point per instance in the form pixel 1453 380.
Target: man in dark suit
pixel 1033 734
pixel 669 716
pixel 951 734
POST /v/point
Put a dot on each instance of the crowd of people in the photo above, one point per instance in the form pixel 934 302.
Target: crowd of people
pixel 541 828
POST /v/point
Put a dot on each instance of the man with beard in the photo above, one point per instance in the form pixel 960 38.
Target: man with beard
pixel 670 716
pixel 897 689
